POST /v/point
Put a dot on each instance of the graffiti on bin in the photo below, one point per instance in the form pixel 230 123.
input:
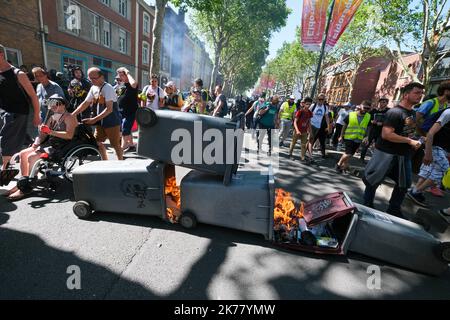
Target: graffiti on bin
pixel 381 217
pixel 137 189
pixel 322 205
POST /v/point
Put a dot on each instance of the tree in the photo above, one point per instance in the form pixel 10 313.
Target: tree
pixel 224 22
pixel 160 11
pixel 416 25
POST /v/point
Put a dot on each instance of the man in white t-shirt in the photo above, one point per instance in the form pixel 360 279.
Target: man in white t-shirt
pixel 105 113
pixel 320 123
pixel 155 95
pixel 340 122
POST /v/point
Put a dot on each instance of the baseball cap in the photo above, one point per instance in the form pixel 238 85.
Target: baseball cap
pixel 170 84
pixel 291 97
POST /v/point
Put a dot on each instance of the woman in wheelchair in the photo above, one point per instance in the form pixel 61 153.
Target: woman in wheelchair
pixel 54 135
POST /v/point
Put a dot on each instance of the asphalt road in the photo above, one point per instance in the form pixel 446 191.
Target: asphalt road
pixel 135 257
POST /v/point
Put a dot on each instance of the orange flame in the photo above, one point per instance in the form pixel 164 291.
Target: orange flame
pixel 285 212
pixel 173 200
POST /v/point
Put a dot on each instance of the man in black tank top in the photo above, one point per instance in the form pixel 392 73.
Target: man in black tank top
pixel 16 94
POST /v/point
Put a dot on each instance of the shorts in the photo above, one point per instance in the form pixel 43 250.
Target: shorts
pixel 351 147
pixel 113 134
pixel 436 170
pixel 12 133
pixel 127 122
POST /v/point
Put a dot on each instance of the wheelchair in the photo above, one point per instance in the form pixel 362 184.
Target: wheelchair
pixel 61 163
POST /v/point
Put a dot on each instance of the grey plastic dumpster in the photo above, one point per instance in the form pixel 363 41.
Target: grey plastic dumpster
pixel 245 204
pixel 132 186
pixel 398 241
pixel 204 143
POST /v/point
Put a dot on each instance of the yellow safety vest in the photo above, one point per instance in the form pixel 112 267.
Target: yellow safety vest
pixel 436 106
pixel 355 130
pixel 288 112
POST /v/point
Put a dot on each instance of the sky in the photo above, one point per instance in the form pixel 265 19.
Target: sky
pixel 287 34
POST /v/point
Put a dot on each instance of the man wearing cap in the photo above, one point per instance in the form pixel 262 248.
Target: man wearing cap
pixel 320 123
pixel 54 135
pixel 286 116
pixel 376 125
pixel 173 99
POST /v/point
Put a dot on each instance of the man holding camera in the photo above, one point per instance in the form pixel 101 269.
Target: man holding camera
pixel 78 90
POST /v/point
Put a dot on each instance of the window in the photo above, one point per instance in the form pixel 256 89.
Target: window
pixel 73 62
pixel 145 53
pixel 15 56
pixel 122 41
pixel 106 33
pixel 97 61
pixel 145 77
pixel 165 53
pixel 146 24
pixel 95 28
pixel 106 2
pixel 123 7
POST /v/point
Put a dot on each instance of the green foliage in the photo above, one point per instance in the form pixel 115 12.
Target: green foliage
pixel 239 32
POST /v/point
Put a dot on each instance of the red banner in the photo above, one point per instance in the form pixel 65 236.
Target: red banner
pixel 314 18
pixel 343 13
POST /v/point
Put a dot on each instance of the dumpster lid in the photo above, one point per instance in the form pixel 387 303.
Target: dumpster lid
pixel 327 208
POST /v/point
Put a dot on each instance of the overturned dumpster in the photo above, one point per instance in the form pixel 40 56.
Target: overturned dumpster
pixel 211 193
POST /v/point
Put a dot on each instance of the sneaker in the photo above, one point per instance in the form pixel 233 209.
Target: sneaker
pixel 130 149
pixel 435 191
pixel 445 214
pixel 418 198
pixel 338 168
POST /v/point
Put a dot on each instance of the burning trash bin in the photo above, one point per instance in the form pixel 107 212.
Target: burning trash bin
pixel 335 225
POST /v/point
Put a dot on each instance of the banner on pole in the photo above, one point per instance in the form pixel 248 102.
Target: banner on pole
pixel 343 13
pixel 314 18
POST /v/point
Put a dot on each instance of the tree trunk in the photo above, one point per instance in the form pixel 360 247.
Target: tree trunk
pixel 215 71
pixel 160 10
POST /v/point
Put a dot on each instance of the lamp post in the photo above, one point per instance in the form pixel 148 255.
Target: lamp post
pixel 322 51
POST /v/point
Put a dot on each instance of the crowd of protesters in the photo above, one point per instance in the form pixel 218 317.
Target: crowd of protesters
pixel 31 99
pixel 410 137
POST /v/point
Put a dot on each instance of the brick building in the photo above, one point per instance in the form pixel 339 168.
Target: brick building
pixel 20 32
pixel 105 33
pixel 375 77
pixel 90 33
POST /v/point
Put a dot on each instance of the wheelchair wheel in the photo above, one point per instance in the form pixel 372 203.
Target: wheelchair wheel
pixel 79 156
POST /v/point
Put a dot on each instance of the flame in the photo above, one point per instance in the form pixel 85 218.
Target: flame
pixel 285 213
pixel 173 200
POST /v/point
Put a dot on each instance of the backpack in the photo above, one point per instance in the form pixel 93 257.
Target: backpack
pixel 428 123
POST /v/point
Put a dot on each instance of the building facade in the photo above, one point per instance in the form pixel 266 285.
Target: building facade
pixel 107 34
pixel 21 32
pixel 376 77
pixel 89 33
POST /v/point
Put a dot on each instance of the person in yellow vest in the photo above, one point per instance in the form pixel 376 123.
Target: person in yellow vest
pixel 354 133
pixel 287 112
pixel 430 107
